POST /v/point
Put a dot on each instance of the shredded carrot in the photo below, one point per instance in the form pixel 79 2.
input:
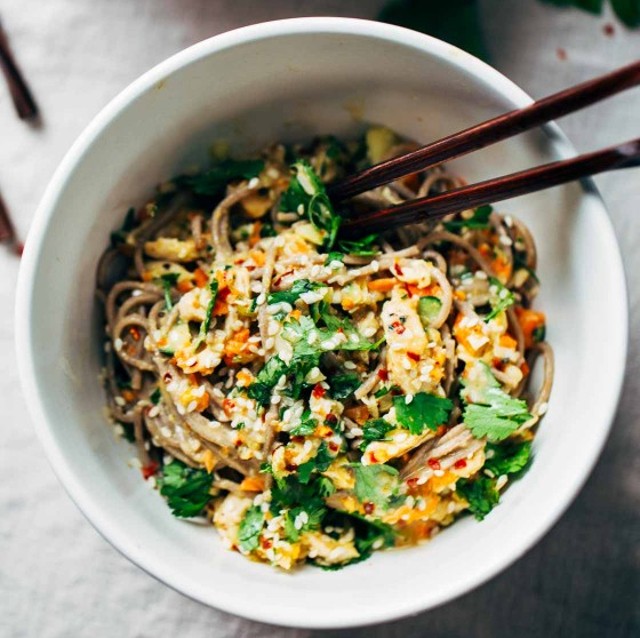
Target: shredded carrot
pixel 382 285
pixel 255 234
pixel 253 483
pixel 184 286
pixel 529 320
pixel 200 278
pixel 460 295
pixel 507 341
pixel 295 313
pixel 129 395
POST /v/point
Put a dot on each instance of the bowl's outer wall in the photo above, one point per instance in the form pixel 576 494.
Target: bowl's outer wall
pixel 288 81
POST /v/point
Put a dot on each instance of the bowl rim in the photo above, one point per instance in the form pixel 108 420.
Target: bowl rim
pixel 37 237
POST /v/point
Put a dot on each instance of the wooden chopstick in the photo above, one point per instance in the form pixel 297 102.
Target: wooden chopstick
pixel 497 189
pixel 489 132
pixel 22 98
pixel 7 232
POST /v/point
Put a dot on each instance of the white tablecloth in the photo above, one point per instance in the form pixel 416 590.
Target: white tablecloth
pixel 58 577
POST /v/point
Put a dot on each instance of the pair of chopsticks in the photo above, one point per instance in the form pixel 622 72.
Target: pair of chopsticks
pixel 27 110
pixel 482 135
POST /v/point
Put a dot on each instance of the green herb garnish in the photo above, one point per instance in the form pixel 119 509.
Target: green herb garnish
pixel 250 529
pixel 186 489
pixel 424 411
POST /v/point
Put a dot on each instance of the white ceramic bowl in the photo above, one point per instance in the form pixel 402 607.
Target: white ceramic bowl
pixel 279 81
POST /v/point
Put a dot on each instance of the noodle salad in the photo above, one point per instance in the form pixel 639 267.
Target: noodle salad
pixel 317 398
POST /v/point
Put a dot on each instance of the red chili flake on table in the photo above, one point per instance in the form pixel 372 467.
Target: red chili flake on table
pixel 149 469
pixel 398 327
pixel 434 464
pixel 460 464
pixel 383 374
pixel 609 29
pixel 368 507
pixel 413 356
pixel 561 53
pixel 318 391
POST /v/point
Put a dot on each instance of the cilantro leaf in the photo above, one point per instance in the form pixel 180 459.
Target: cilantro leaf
pixel 214 181
pixel 291 295
pixel 497 416
pixel 375 484
pixel 342 386
pixel 186 489
pixel 480 493
pixel 363 247
pixel 503 299
pixel 320 463
pixel 627 10
pixel 155 397
pixel 306 426
pixel 425 411
pixel 307 195
pixel 508 458
pixel 375 430
pixel 250 529
pixel 269 375
pixel 479 220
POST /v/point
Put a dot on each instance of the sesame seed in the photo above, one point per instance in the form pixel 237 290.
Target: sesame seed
pixel 349 365
pixel 117 344
pixel 408 399
pixel 253 182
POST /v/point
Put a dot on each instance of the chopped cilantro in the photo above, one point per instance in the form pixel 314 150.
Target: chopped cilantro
pixel 307 191
pixel 539 333
pixel 363 247
pixel 291 295
pixel 155 397
pixel 186 489
pixel 376 484
pixel 333 256
pixel 269 375
pixel 503 299
pixel 497 416
pixel 508 458
pixel 375 430
pixel 306 426
pixel 479 220
pixel 250 529
pixel 320 463
pixel 214 181
pixel 480 493
pixel 425 411
pixel 342 386
pixel 267 230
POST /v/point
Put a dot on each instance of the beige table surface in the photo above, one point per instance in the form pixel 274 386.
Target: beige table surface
pixel 59 578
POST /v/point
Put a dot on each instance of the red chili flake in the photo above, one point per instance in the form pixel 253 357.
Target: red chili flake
pixel 412 482
pixel 609 29
pixel 397 269
pixel 266 542
pixel 383 374
pixel 561 53
pixel 238 443
pixel 297 439
pixel 372 457
pixel 434 464
pixel 333 446
pixel 318 391
pixel 331 419
pixel 166 377
pixel 149 469
pixel 135 333
pixel 413 356
pixel 290 467
pixel 19 249
pixel 368 507
pixel 398 327
pixel 223 294
pixel 460 464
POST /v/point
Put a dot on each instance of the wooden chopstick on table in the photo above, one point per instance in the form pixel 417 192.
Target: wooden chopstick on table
pixel 482 135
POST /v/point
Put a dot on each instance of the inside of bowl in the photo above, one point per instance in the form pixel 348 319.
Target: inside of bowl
pixel 292 87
